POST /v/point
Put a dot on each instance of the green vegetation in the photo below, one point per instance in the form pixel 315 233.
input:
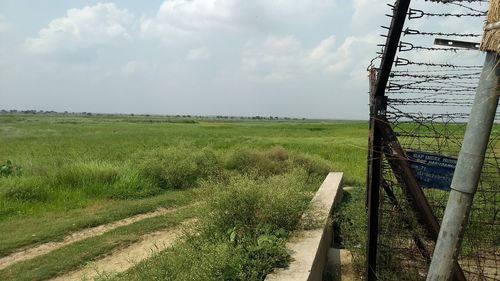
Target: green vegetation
pixel 66 173
pixel 231 244
pixel 350 221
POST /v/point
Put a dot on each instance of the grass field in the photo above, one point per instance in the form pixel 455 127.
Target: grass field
pixel 65 173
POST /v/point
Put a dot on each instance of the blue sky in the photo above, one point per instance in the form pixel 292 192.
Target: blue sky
pixel 296 58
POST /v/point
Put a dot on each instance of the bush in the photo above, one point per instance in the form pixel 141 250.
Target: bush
pixel 235 206
pixel 284 200
pixel 278 153
pixel 208 165
pixel 276 161
pixel 192 260
pixel 316 168
pixel 180 168
pixel 259 163
pixel 171 169
pixel 252 208
pixel 256 216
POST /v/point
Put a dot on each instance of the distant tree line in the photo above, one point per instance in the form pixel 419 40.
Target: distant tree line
pixel 188 116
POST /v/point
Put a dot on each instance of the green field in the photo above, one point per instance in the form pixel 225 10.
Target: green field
pixel 65 173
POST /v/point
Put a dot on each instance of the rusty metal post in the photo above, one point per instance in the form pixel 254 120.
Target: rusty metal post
pixel 378 109
pixel 374 181
pixel 372 76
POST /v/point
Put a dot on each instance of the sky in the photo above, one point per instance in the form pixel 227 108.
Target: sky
pixel 295 58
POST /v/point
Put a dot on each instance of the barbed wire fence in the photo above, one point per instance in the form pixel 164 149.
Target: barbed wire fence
pixel 422 113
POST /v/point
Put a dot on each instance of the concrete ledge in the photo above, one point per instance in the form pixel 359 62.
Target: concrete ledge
pixel 309 248
pixel 340 265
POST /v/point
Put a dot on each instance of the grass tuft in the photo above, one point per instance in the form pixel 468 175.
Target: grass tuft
pixel 84 174
pixel 27 189
pixel 170 168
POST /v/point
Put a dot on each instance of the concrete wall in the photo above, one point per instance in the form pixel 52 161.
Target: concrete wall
pixel 309 248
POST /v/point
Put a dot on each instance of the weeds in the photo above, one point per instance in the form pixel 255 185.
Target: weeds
pixel 27 190
pixel 350 218
pixel 85 174
pixel 243 235
pixel 174 168
pixel 10 169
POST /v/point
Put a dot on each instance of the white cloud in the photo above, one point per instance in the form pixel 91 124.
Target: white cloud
pixel 274 59
pixel 195 19
pixel 134 67
pixel 91 26
pixel 284 58
pixel 198 54
pixel 369 14
pixel 323 49
pixel 188 19
pixel 4 24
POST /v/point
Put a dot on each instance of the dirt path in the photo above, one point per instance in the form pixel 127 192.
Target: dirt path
pixel 76 236
pixel 123 259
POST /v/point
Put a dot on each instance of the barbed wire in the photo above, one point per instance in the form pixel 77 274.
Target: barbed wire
pixel 410 31
pixel 402 61
pixel 429 95
pixel 417 14
pixel 468 8
pixel 440 49
pixel 473 75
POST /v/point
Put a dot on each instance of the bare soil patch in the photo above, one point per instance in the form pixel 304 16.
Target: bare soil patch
pixel 123 259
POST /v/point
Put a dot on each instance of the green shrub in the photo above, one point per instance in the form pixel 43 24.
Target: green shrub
pixel 198 259
pixel 316 168
pixel 257 217
pixel 181 168
pixel 10 169
pixel 259 163
pixel 208 164
pixel 276 161
pixel 255 207
pixel 278 153
pixel 284 200
pixel 171 169
pixel 234 206
pixel 192 260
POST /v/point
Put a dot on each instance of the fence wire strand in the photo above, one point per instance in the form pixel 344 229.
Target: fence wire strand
pixel 428 104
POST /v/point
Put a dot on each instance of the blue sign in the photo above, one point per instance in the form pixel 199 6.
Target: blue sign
pixel 432 170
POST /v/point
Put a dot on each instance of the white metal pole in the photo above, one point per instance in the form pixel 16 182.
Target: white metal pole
pixel 467 171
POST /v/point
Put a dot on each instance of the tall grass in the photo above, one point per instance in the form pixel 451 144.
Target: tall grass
pixel 85 174
pixel 150 174
pixel 175 168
